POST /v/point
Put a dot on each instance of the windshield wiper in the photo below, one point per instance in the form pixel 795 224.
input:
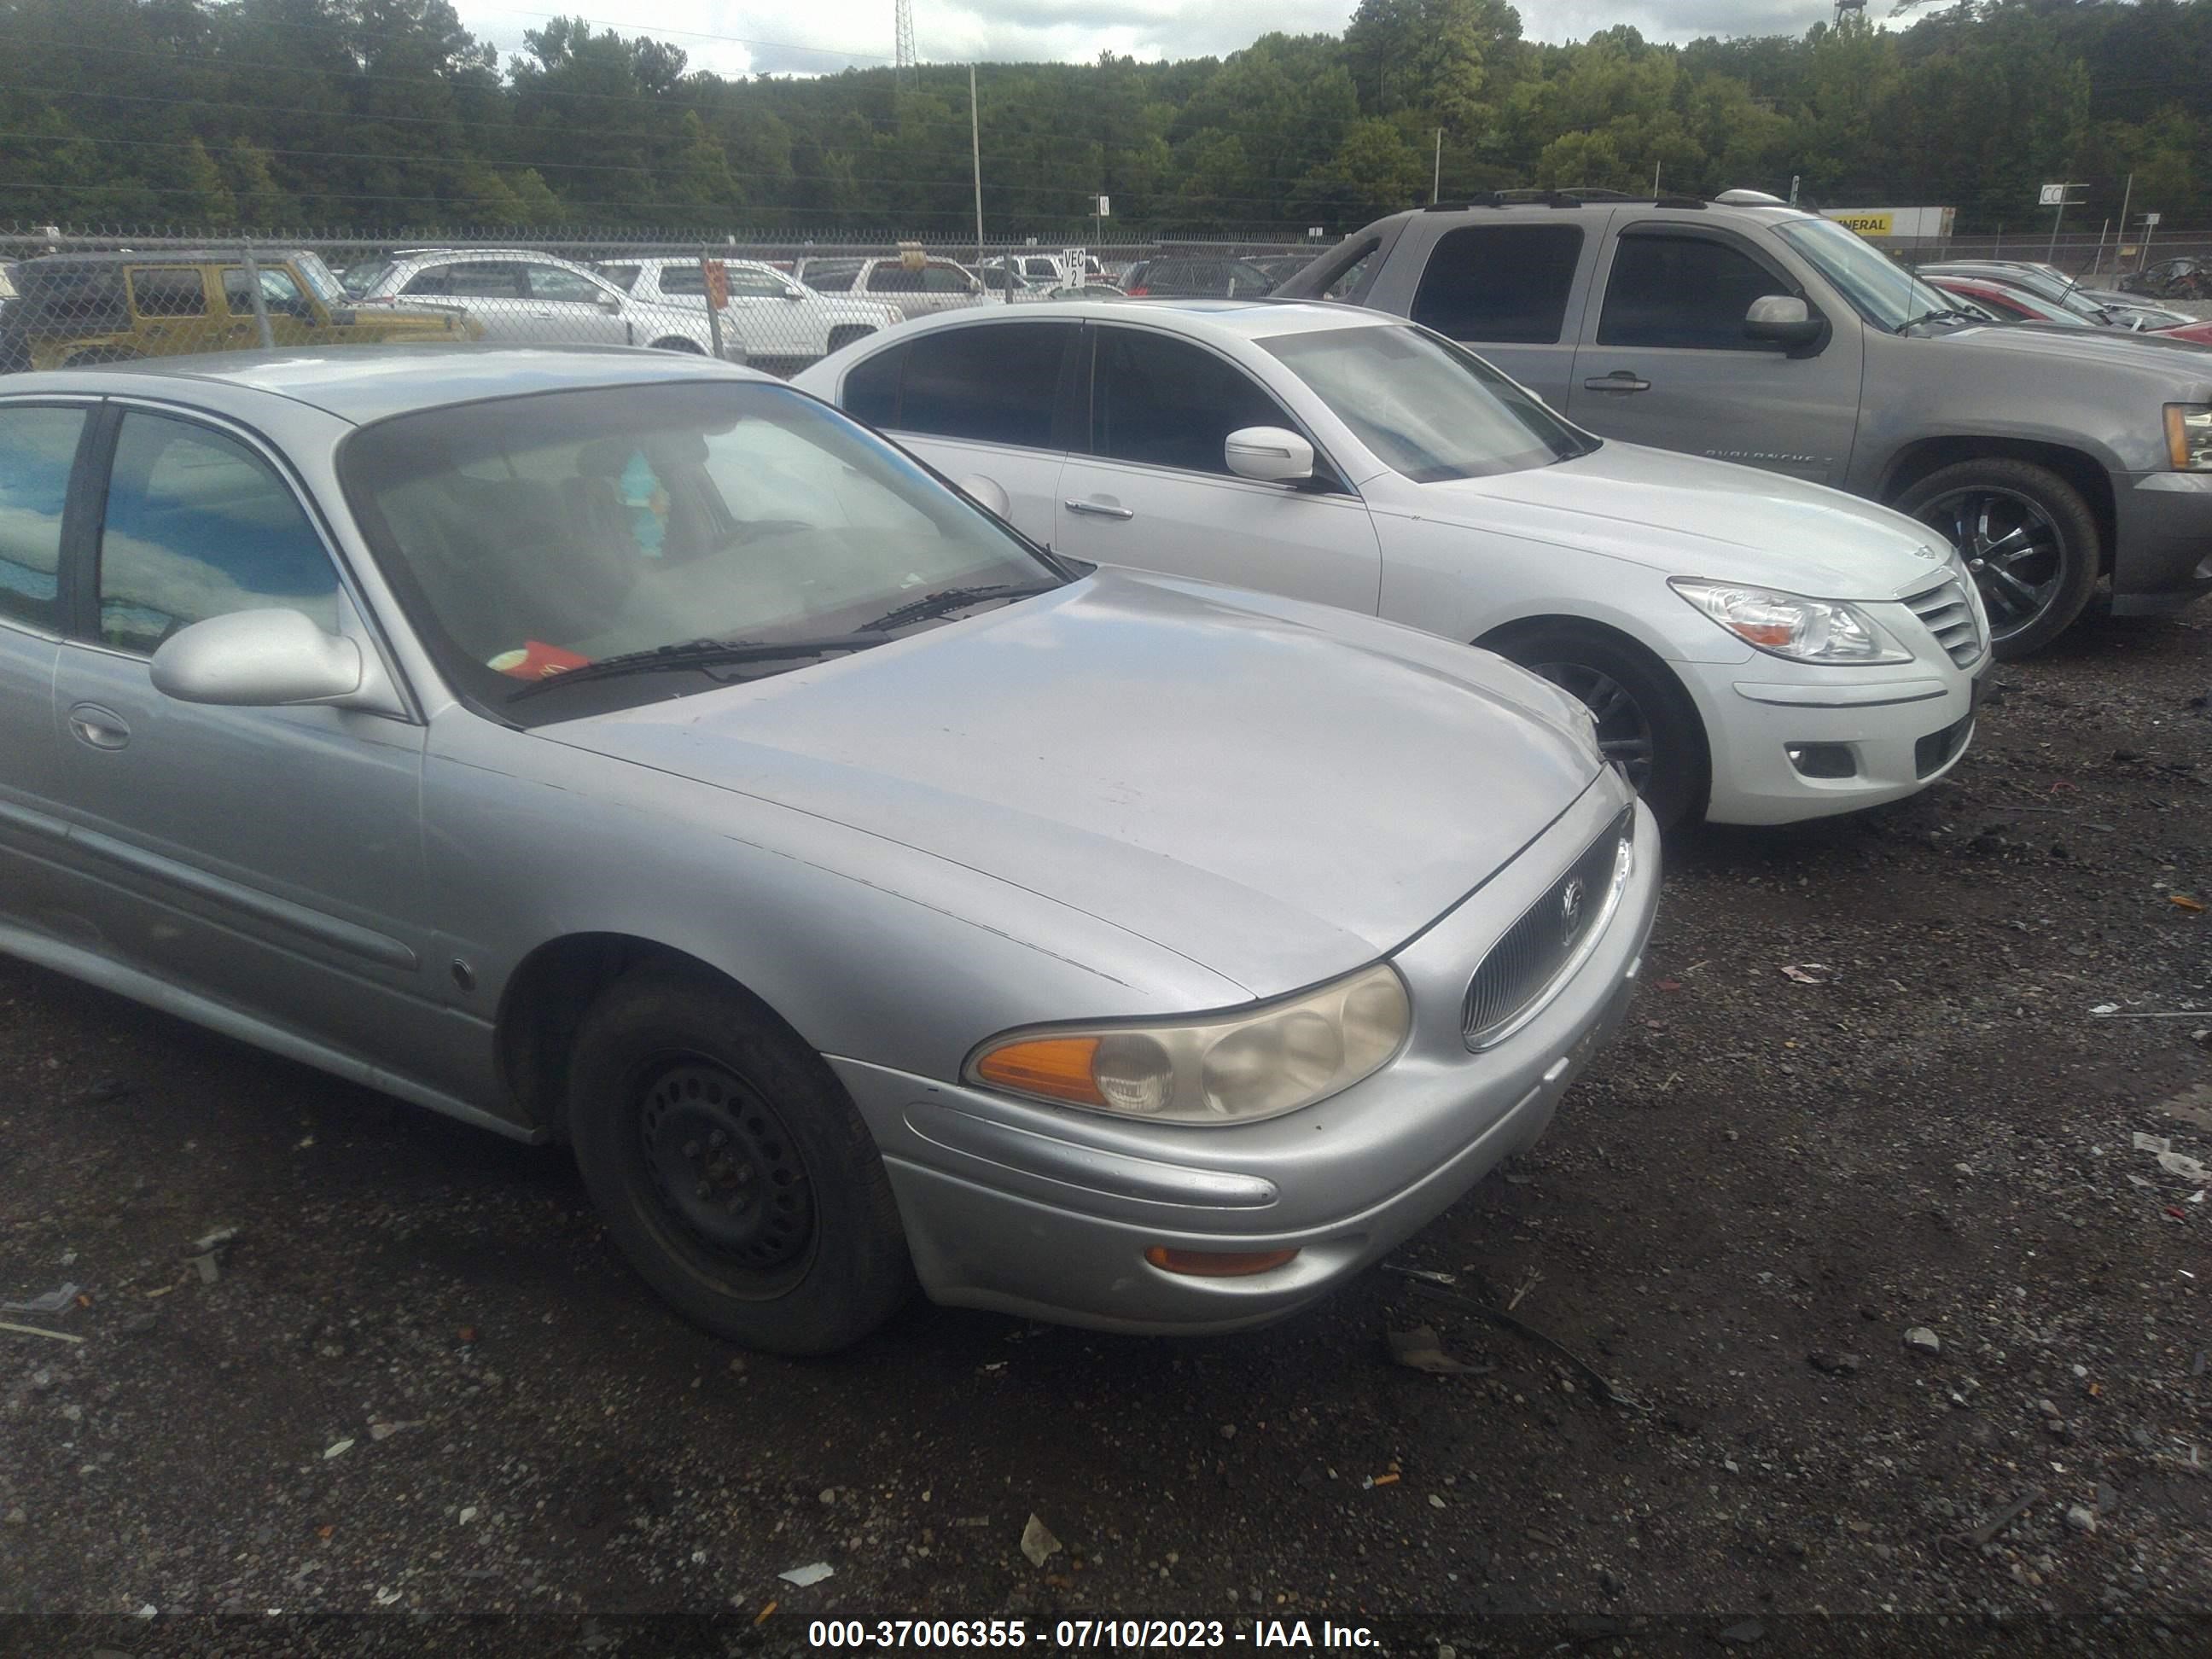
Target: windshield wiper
pixel 699 653
pixel 1938 316
pixel 952 599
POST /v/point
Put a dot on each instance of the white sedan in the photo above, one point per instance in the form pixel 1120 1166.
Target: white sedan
pixel 784 324
pixel 1754 649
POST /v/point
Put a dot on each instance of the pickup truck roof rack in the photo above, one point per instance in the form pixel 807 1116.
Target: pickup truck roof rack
pixel 1571 197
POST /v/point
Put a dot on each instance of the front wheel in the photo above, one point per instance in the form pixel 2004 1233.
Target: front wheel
pixel 2027 537
pixel 1646 723
pixel 732 1169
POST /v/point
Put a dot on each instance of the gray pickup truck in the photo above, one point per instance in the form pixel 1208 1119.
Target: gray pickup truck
pixel 1750 330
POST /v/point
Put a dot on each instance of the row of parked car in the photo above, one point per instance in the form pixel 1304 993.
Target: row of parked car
pixel 1121 811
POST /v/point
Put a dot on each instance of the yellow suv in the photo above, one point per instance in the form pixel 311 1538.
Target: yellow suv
pixel 77 308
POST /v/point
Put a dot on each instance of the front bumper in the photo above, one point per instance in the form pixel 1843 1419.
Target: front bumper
pixel 1902 732
pixel 1047 1214
pixel 2162 554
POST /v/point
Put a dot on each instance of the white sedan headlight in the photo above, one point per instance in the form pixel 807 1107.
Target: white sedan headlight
pixel 1232 1068
pixel 1792 626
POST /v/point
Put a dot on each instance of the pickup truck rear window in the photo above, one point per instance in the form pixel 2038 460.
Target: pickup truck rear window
pixel 1505 283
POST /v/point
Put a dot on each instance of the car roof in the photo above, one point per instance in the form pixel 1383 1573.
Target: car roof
pixel 228 256
pixel 1256 318
pixel 363 383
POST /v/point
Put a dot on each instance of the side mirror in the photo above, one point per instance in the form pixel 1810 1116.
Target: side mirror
pixel 1269 455
pixel 987 493
pixel 610 302
pixel 257 660
pixel 1783 319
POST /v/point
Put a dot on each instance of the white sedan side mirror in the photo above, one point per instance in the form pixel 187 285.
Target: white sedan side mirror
pixel 987 493
pixel 1270 454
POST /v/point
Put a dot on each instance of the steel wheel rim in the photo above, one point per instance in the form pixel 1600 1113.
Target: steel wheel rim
pixel 728 1178
pixel 1624 730
pixel 2012 547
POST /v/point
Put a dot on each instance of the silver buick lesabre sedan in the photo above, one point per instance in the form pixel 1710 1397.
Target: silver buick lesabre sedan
pixel 632 750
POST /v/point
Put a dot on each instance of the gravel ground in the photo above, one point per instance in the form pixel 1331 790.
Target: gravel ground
pixel 421 1382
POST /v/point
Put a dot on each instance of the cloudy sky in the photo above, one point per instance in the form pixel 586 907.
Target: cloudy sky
pixel 737 37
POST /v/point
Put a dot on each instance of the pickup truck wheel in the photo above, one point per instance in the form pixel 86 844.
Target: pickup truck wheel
pixel 1646 723
pixel 731 1168
pixel 2027 535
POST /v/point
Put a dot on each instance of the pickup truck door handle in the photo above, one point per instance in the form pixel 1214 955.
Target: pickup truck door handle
pixel 1621 380
pixel 1099 509
pixel 102 728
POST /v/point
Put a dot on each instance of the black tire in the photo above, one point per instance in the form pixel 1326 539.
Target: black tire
pixel 677 344
pixel 2027 535
pixel 1646 722
pixel 783 1235
pixel 842 338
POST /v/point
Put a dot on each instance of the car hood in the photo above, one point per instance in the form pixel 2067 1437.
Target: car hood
pixel 2105 347
pixel 1278 792
pixel 1689 516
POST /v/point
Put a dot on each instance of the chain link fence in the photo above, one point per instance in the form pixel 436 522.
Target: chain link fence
pixel 77 297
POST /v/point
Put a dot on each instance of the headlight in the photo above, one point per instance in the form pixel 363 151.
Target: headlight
pixel 2189 436
pixel 1790 625
pixel 1234 1069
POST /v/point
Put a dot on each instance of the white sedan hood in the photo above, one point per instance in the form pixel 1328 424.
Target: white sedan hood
pixel 1686 516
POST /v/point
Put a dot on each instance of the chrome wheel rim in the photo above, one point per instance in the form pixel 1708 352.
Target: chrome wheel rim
pixel 1624 730
pixel 2012 547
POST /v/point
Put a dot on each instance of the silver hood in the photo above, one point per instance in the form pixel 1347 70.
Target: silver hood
pixel 1274 790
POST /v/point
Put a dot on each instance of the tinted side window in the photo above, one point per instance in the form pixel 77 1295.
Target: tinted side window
pixel 622 276
pixel 1500 283
pixel 37 449
pixel 688 279
pixel 871 390
pixel 894 279
pixel 197 526
pixel 744 284
pixel 1682 291
pixel 278 293
pixel 838 281
pixel 944 279
pixel 996 385
pixel 174 293
pixel 1167 403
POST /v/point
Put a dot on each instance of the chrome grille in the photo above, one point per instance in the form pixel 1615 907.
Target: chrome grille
pixel 1949 616
pixel 1546 940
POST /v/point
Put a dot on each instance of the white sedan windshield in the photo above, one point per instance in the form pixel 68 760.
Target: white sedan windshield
pixel 1426 407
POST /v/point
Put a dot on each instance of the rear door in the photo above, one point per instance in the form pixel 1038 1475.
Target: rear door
pixel 170 303
pixel 38 447
pixel 1665 361
pixel 1154 490
pixel 489 290
pixel 989 398
pixel 1512 290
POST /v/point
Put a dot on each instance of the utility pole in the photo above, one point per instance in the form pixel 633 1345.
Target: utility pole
pixel 976 160
pixel 1436 179
pixel 1654 181
pixel 2126 196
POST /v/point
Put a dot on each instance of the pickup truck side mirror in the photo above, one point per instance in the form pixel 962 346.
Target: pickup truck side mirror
pixel 1787 321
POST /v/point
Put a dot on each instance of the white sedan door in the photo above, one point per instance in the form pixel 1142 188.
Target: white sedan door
pixel 1155 492
pixel 986 399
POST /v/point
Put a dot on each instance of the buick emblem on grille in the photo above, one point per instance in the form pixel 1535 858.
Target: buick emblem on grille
pixel 1571 910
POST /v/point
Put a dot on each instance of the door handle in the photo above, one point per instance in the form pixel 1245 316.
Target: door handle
pixel 102 728
pixel 1099 509
pixel 1621 380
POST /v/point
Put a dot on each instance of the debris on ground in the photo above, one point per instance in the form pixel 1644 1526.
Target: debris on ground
pixel 1599 1381
pixel 812 1573
pixel 1976 1537
pixel 1038 1543
pixel 337 1448
pixel 59 1300
pixel 1835 1364
pixel 1921 1340
pixel 204 1253
pixel 1427 1275
pixel 2082 1517
pixel 1807 972
pixel 33 1330
pixel 1421 1350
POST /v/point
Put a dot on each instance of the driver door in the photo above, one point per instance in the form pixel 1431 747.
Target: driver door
pixel 1664 360
pixel 269 859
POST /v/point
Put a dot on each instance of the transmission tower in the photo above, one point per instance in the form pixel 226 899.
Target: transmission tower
pixel 1844 8
pixel 902 70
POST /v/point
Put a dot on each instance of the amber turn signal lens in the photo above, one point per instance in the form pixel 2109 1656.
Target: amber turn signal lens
pixel 1217 1264
pixel 1056 1067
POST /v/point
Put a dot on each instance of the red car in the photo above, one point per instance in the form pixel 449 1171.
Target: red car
pixel 2012 305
